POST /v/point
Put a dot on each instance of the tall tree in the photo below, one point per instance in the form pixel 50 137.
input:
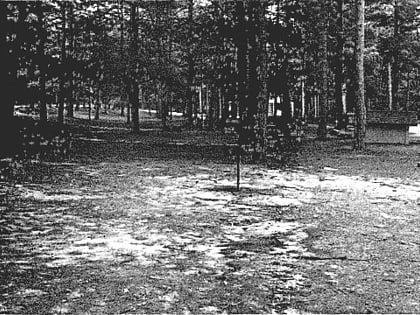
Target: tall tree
pixel 134 65
pixel 260 75
pixel 63 61
pixel 251 41
pixel 6 108
pixel 6 70
pixel 242 52
pixel 395 56
pixel 360 84
pixel 339 75
pixel 42 62
pixel 121 55
pixel 190 61
pixel 70 64
pixel 322 127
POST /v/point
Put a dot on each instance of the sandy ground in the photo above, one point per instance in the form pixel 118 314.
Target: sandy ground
pixel 153 224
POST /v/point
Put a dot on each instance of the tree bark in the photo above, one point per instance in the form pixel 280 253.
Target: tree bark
pixel 191 72
pixel 134 88
pixel 98 101
pixel 360 84
pixel 407 94
pixel 70 100
pixel 390 89
pixel 122 81
pixel 340 114
pixel 6 70
pixel 61 96
pixel 262 77
pixel 42 65
pixel 163 59
pixel 242 45
pixel 396 57
pixel 252 72
pixel 128 117
pixel 322 127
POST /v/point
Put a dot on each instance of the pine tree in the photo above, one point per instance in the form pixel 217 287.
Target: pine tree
pixel 134 86
pixel 360 86
pixel 322 127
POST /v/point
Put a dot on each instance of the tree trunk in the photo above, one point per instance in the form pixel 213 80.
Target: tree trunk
pixel 322 127
pixel 8 133
pixel 122 81
pixel 162 105
pixel 246 123
pixel 134 88
pixel 211 96
pixel 18 50
pixel 162 60
pixel 284 88
pixel 63 65
pixel 219 114
pixel 191 72
pixel 42 64
pixel 261 79
pixel 257 100
pixel 98 102
pixel 390 89
pixel 407 95
pixel 128 111
pixel 70 100
pixel 134 101
pixel 340 115
pixel 396 57
pixel 242 45
pixel 90 100
pixel 77 97
pixel 360 84
pixel 6 70
pixel 302 100
pixel 344 101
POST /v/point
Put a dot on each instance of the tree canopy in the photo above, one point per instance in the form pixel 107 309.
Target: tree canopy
pixel 216 59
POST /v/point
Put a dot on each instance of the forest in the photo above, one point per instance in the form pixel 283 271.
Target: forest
pixel 212 61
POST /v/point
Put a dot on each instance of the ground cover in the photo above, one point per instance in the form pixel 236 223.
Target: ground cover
pixel 152 224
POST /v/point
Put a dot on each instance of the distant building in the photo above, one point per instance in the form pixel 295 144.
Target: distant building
pixel 389 126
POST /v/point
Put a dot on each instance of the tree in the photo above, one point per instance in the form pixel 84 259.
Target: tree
pixel 63 57
pixel 42 62
pixel 70 63
pixel 6 69
pixel 391 53
pixel 339 75
pixel 134 85
pixel 251 42
pixel 6 107
pixel 239 55
pixel 395 55
pixel 190 61
pixel 322 127
pixel 360 86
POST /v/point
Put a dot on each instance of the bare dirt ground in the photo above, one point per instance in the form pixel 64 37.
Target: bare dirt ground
pixel 152 224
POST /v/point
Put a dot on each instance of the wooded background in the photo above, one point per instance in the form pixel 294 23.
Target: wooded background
pixel 211 60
